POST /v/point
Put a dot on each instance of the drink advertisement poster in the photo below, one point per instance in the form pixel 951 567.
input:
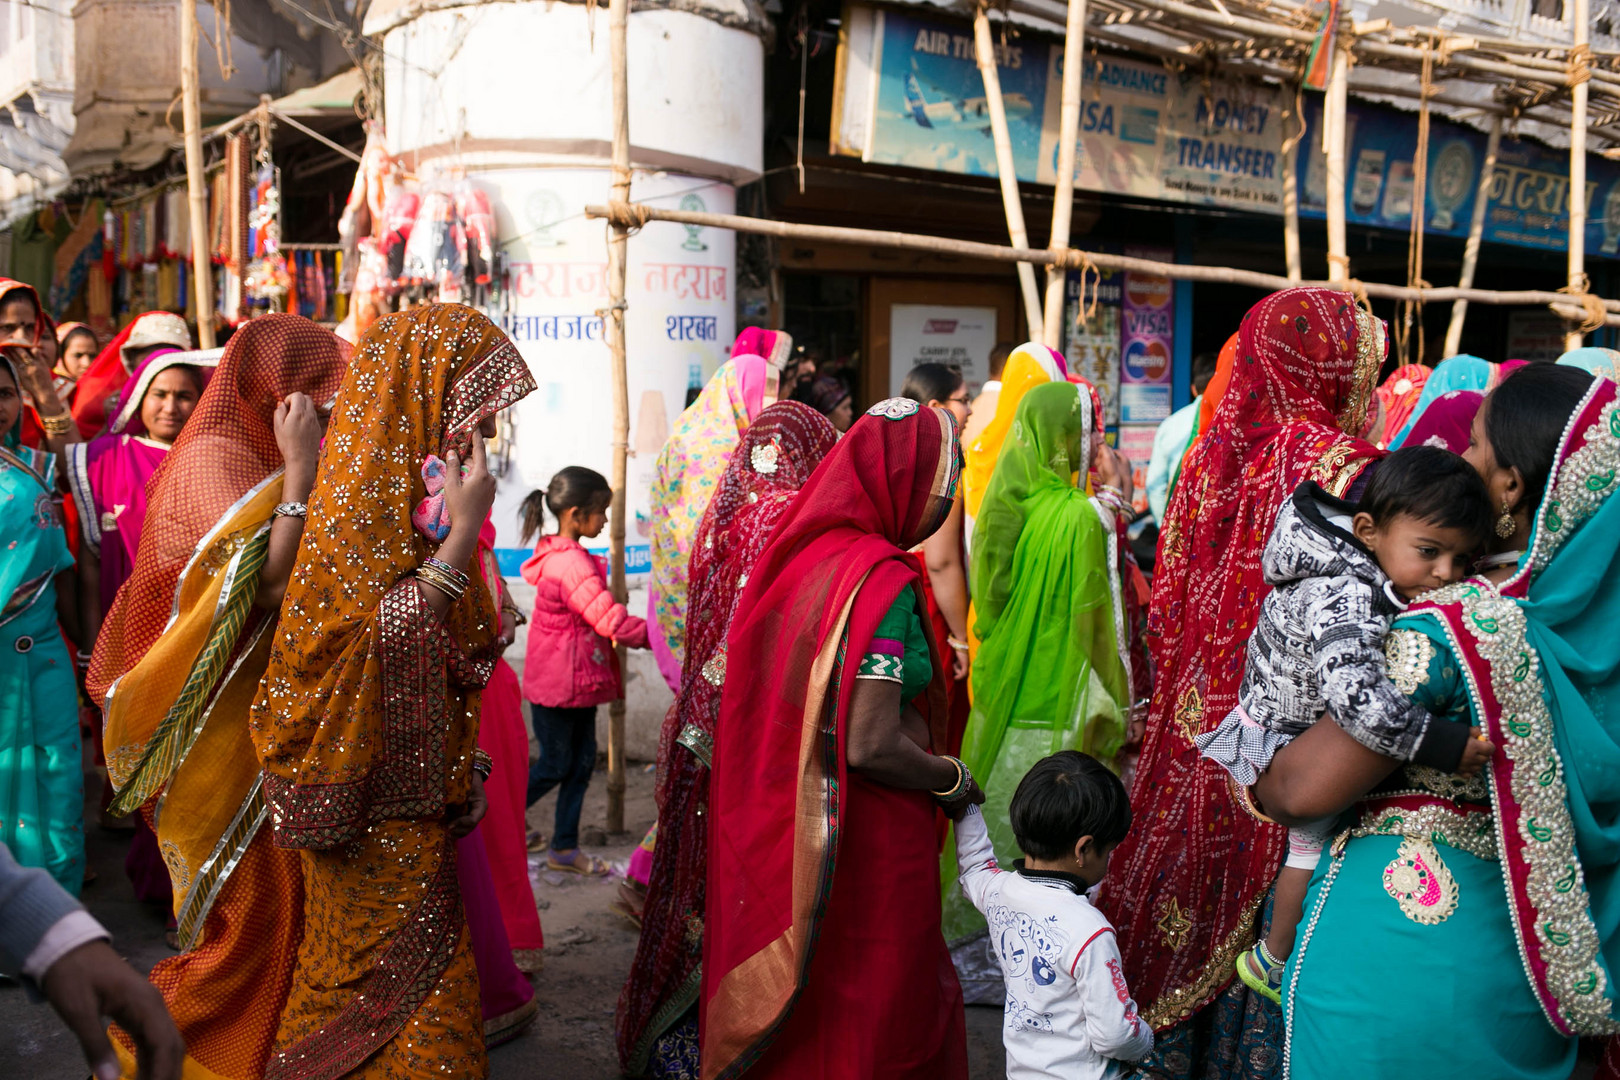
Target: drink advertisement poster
pixel 1146 346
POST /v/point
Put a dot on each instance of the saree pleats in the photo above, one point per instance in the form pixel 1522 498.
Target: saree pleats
pixel 388 988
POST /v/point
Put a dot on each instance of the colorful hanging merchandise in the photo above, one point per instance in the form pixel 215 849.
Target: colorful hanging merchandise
pixel 268 282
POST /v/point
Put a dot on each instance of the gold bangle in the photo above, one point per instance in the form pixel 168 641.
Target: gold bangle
pixel 955 790
pixel 57 425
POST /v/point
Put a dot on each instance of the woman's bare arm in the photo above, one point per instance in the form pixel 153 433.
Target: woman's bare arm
pixel 1318 775
pixel 948 577
pixel 881 745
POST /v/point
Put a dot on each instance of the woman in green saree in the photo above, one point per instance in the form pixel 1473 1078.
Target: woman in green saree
pixel 1053 670
pixel 1487 904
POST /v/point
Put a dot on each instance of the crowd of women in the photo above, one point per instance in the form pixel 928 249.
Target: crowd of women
pixel 276 566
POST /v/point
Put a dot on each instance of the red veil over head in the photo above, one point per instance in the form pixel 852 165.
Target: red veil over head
pixel 111 367
pixel 226 451
pixel 1185 886
pixel 835 564
pixel 773 460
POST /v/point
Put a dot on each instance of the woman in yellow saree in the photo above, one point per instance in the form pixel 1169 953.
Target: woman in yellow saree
pixel 179 660
pixel 367 717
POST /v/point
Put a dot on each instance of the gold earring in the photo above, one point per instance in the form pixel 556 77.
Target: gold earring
pixel 1505 525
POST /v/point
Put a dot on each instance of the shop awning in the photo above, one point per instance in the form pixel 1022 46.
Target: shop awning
pixel 334 97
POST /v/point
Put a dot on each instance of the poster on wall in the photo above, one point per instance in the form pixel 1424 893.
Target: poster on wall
pixel 940 334
pixel 1146 343
pixel 1091 336
pixel 1136 443
pixel 680 289
pixel 1535 335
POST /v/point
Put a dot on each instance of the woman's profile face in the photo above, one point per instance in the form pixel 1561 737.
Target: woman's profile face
pixel 10 401
pixel 843 415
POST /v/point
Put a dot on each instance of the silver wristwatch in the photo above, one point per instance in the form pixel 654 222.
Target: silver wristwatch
pixel 292 509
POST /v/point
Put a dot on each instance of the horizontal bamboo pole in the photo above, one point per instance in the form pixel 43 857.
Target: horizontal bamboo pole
pixel 635 215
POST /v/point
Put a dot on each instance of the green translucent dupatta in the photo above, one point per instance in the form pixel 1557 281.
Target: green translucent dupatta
pixel 1051 671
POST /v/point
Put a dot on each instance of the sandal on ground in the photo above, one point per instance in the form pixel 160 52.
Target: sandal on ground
pixel 535 841
pixel 629 901
pixel 1261 972
pixel 582 864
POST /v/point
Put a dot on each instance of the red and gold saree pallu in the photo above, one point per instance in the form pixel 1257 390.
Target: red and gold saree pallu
pixel 178 662
pixel 1186 885
pixel 773 460
pixel 367 717
pixel 792 904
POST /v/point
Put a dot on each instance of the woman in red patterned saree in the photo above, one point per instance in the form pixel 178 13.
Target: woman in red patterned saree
pixel 367 717
pixel 178 688
pixel 657 1026
pixel 1186 888
pixel 822 951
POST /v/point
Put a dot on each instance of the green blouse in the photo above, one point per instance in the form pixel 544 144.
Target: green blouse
pixel 899 649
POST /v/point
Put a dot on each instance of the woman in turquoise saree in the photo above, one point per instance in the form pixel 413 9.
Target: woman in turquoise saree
pixel 1487 904
pixel 41 790
pixel 1053 670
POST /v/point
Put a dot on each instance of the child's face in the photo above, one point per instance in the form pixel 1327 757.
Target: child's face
pixel 591 524
pixel 1417 555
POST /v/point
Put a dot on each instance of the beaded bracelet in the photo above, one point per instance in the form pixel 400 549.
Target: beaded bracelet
pixel 454 574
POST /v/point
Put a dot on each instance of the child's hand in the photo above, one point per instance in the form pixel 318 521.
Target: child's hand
pixel 1475 755
pixel 974 796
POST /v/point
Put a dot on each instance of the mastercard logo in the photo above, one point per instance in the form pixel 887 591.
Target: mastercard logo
pixel 1146 291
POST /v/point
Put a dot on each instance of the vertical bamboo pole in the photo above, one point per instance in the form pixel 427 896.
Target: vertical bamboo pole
pixel 618 250
pixel 1476 229
pixel 985 53
pixel 1290 179
pixel 1074 40
pixel 1335 131
pixel 1577 161
pixel 191 111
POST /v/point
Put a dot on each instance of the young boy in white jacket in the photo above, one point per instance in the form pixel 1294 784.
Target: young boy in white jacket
pixel 1069 1013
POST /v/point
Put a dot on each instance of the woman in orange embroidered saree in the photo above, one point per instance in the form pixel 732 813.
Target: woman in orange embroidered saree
pixel 179 661
pixel 368 713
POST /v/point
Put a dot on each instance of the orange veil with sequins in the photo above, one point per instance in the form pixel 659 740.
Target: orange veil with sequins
pixel 1185 887
pixel 352 719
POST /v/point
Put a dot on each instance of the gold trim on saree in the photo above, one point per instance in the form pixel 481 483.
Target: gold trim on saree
pixel 192 913
pixel 1174 1007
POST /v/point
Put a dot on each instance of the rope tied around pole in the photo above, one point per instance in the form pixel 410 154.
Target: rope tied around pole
pixel 1578 65
pixel 628 215
pixel 1593 313
pixel 1083 312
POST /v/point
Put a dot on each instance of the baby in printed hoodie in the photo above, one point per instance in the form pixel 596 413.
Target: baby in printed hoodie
pixel 1340 574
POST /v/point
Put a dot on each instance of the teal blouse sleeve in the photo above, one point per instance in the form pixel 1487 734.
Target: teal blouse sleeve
pixel 1422 667
pixel 899 649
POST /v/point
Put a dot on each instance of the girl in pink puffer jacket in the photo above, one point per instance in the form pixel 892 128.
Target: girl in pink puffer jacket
pixel 570 666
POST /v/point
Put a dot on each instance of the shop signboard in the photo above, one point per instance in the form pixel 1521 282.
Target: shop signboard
pixel 940 334
pixel 1528 196
pixel 1146 342
pixel 909 93
pixel 1535 335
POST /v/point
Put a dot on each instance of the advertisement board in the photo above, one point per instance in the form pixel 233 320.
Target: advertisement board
pixel 941 334
pixel 1146 343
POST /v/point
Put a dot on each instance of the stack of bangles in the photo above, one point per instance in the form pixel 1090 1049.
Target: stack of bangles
pixel 483 764
pixel 962 788
pixel 957 644
pixel 57 426
pixel 444 577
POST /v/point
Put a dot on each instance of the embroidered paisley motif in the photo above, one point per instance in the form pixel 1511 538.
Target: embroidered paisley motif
pixel 1420 883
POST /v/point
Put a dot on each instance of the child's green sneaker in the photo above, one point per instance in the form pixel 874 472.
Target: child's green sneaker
pixel 1261 972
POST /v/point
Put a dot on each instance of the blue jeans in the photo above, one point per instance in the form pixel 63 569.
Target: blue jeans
pixel 567 739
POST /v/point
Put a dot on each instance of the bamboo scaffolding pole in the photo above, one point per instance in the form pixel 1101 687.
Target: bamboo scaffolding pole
pixel 1290 179
pixel 1580 70
pixel 1074 42
pixel 1335 112
pixel 196 192
pixel 984 54
pixel 1476 229
pixel 636 215
pixel 618 252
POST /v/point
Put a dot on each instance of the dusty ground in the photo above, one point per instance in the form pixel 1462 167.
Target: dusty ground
pixel 588 951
